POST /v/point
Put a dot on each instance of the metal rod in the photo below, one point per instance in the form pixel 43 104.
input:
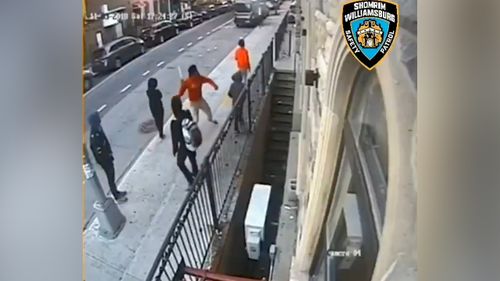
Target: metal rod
pixel 211 197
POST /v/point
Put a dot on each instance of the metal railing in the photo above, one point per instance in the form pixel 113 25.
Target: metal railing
pixel 197 224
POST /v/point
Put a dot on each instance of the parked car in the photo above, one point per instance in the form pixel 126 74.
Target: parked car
pixel 159 33
pixel 224 7
pixel 115 54
pixel 189 19
pixel 205 15
pixel 213 10
pixel 273 4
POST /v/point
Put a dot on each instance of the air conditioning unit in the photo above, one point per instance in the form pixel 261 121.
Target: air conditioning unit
pixel 354 233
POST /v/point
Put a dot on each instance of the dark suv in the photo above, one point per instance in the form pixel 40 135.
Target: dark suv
pixel 189 19
pixel 159 33
pixel 116 53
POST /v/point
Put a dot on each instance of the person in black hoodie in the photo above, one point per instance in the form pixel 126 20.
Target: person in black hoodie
pixel 235 90
pixel 179 148
pixel 156 105
pixel 101 149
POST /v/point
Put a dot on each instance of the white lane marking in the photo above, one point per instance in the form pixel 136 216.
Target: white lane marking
pixel 201 37
pixel 126 88
pixel 181 50
pixel 160 63
pixel 181 35
pixel 146 73
pixel 190 44
pixel 101 108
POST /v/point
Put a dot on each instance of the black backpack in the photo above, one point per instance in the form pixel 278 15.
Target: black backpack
pixel 191 133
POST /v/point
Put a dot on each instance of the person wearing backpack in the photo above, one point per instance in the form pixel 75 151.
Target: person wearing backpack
pixel 101 149
pixel 194 85
pixel 235 90
pixel 186 138
pixel 155 105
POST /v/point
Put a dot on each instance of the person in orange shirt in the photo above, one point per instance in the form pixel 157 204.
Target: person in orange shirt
pixel 242 60
pixel 193 85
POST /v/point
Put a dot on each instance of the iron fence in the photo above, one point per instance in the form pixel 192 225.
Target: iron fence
pixel 196 225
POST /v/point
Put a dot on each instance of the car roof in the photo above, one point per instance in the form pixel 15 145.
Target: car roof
pixel 160 22
pixel 108 45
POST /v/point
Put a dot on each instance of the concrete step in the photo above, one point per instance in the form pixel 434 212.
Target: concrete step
pixel 285 85
pixel 276 156
pixel 278 146
pixel 280 137
pixel 282 100
pixel 280 127
pixel 281 118
pixel 284 75
pixel 274 170
pixel 281 109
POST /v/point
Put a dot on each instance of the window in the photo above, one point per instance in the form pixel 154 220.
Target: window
pixel 368 124
pixel 118 45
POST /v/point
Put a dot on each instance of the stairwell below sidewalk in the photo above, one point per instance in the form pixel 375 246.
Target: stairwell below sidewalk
pixel 266 163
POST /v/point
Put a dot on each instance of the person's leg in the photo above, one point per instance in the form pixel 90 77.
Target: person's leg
pixel 206 108
pixel 159 123
pixel 109 169
pixel 244 76
pixel 194 164
pixel 181 159
pixel 195 111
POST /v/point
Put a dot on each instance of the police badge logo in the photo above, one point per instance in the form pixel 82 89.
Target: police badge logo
pixel 370 29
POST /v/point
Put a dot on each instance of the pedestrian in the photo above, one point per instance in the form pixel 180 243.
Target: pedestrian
pixel 242 60
pixel 156 105
pixel 193 85
pixel 101 149
pixel 179 147
pixel 235 90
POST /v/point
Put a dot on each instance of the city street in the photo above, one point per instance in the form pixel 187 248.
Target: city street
pixel 121 97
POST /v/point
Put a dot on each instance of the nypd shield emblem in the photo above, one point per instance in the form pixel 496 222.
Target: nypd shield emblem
pixel 370 29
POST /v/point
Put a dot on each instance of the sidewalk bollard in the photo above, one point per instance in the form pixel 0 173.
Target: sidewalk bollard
pixel 111 220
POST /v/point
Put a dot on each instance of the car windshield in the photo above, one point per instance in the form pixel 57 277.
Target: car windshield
pixel 242 8
pixel 99 53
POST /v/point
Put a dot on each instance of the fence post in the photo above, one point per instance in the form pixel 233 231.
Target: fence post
pixel 263 74
pixel 249 102
pixel 211 194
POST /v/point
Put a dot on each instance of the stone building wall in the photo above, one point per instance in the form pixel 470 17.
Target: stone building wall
pixel 324 49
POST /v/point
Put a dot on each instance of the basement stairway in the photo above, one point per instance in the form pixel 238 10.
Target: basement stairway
pixel 276 154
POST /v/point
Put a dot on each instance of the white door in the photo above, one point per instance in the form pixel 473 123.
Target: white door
pixel 98 39
pixel 119 30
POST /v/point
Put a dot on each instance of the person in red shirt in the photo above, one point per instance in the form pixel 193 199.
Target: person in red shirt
pixel 242 60
pixel 193 85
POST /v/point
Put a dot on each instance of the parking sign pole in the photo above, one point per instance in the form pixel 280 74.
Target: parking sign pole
pixel 111 220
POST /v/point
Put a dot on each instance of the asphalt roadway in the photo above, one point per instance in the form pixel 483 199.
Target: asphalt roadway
pixel 219 32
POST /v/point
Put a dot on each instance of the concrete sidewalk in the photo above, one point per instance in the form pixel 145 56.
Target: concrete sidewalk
pixel 121 122
pixel 155 185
